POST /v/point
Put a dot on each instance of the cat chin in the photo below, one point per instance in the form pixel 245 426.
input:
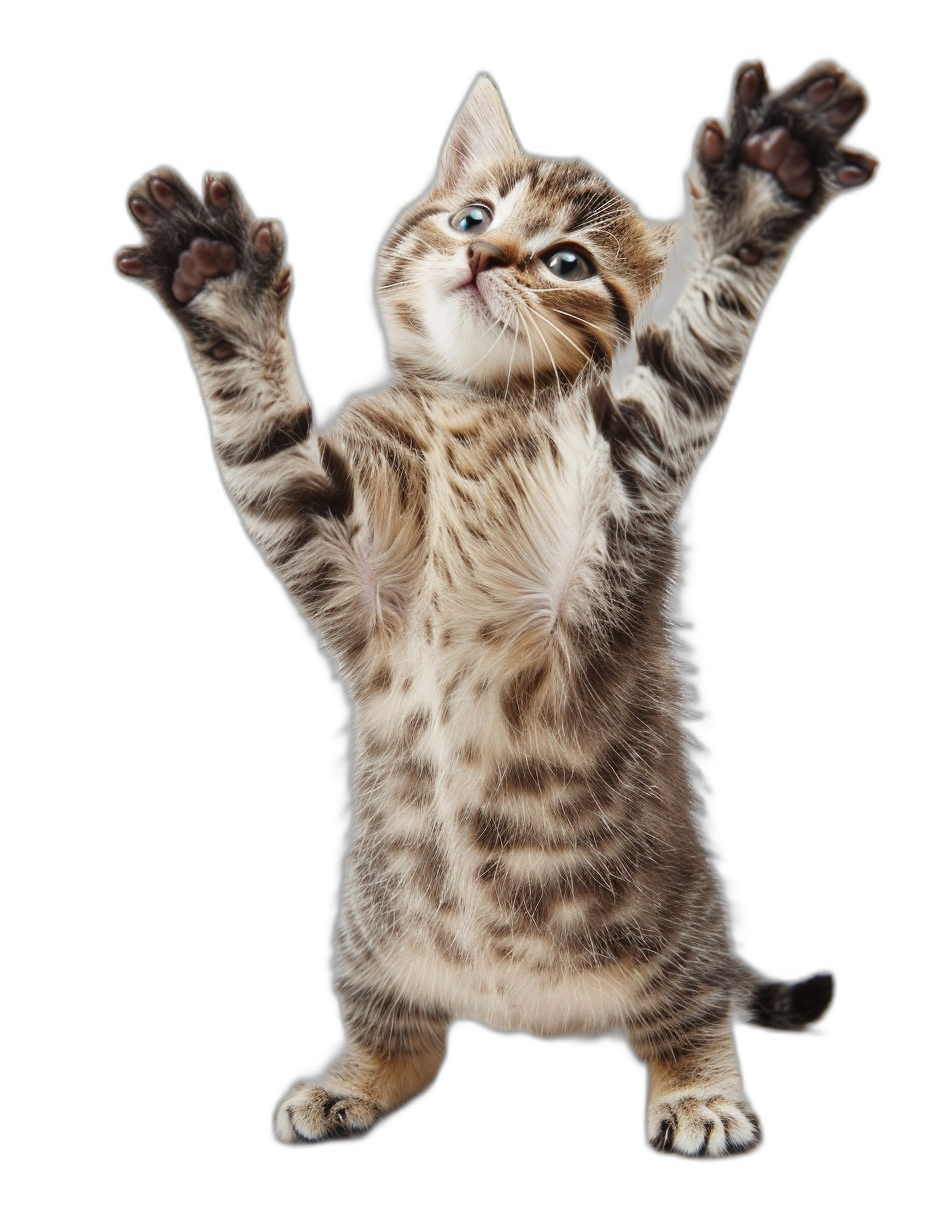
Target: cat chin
pixel 472 340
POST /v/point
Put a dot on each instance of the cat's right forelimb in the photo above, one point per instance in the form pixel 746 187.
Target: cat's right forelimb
pixel 221 275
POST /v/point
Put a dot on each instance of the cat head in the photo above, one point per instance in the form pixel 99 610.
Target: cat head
pixel 512 268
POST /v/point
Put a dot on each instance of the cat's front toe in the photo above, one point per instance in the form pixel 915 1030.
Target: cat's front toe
pixel 311 1113
pixel 699 1124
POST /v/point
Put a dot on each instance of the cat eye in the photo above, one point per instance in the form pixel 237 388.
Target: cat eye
pixel 472 219
pixel 570 264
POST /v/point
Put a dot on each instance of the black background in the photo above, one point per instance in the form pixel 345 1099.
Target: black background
pixel 222 715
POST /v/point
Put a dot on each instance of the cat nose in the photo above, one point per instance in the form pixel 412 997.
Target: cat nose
pixel 483 255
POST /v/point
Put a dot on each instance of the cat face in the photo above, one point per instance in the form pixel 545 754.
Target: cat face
pixel 513 269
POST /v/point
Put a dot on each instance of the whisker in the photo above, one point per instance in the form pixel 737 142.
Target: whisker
pixel 557 379
pixel 512 356
pixel 579 350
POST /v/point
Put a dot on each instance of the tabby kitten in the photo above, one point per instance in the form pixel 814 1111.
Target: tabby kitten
pixel 486 547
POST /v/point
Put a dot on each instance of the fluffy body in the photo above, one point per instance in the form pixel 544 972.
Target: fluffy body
pixel 486 547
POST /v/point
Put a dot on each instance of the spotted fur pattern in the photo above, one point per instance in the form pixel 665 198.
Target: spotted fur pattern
pixel 486 547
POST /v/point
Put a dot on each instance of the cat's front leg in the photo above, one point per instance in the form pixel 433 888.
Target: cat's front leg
pixel 753 190
pixel 218 272
pixel 221 275
pixel 780 163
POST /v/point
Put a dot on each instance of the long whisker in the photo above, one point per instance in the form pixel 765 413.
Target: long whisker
pixel 570 341
pixel 544 343
pixel 512 356
pixel 562 312
pixel 531 355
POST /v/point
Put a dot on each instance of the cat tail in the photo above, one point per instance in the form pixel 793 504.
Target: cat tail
pixel 785 1007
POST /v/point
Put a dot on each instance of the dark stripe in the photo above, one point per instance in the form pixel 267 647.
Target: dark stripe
pixel 229 393
pixel 587 204
pixel 729 299
pixel 718 355
pixel 523 689
pixel 490 831
pixel 534 776
pixel 626 428
pixel 655 351
pixel 341 490
pixel 275 437
pixel 620 309
pixel 406 225
pixel 302 500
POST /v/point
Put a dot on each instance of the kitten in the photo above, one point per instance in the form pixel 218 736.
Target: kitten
pixel 486 547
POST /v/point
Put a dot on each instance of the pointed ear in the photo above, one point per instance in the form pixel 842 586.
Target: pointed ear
pixel 481 134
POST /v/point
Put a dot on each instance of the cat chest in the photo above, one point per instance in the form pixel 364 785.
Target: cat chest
pixel 516 535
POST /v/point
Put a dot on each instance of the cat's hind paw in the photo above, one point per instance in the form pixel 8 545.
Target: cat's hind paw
pixel 190 242
pixel 310 1113
pixel 700 1124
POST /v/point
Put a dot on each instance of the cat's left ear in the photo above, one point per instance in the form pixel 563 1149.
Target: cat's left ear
pixel 481 134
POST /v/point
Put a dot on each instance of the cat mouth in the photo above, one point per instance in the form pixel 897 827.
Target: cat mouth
pixel 471 287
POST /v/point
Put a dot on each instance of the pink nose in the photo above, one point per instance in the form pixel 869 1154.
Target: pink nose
pixel 483 255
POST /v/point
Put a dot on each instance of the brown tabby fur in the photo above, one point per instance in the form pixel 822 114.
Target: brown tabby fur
pixel 487 546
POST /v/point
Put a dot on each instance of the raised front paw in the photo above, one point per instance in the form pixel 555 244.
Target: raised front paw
pixel 310 1113
pixel 792 136
pixel 190 243
pixel 699 1123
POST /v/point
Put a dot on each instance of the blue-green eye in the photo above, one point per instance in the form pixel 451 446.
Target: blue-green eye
pixel 568 263
pixel 472 219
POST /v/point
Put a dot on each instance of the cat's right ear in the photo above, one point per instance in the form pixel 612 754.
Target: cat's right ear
pixel 480 135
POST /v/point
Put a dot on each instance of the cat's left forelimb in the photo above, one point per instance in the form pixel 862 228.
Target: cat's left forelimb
pixel 753 190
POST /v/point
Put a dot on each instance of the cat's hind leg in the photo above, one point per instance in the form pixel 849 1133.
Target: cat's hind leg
pixel 696 1104
pixel 395 1051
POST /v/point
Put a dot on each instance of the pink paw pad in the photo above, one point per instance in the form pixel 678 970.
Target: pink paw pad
pixel 205 258
pixel 776 151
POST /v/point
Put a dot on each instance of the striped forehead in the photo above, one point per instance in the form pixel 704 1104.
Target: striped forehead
pixel 552 200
